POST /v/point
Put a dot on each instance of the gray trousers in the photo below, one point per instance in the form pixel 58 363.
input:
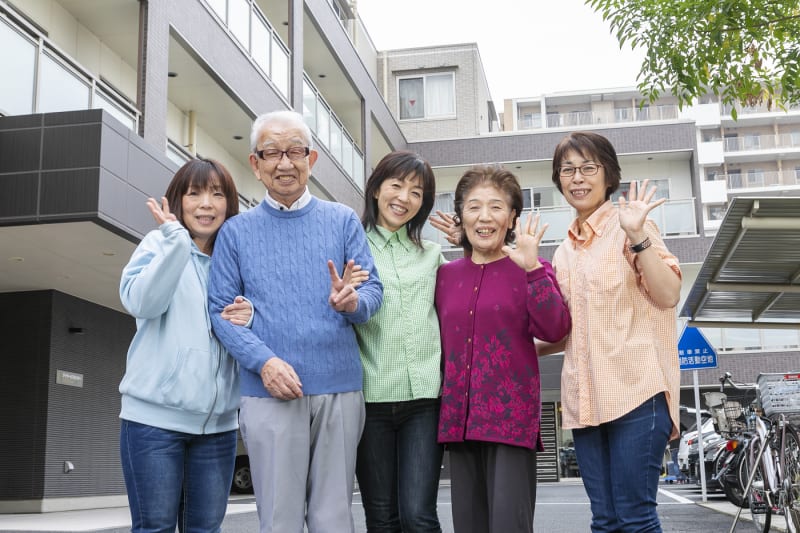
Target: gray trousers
pixel 493 487
pixel 302 459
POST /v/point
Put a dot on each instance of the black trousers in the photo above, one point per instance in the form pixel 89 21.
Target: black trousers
pixel 493 487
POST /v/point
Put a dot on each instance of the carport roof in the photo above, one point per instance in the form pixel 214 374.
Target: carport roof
pixel 751 275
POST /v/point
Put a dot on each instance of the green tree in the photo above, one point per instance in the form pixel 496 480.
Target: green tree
pixel 746 52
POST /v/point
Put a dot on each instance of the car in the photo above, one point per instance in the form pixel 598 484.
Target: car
pixel 242 479
pixel 689 437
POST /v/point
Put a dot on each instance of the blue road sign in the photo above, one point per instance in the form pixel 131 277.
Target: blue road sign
pixel 695 351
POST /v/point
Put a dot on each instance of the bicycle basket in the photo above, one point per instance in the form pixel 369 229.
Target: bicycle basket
pixel 780 393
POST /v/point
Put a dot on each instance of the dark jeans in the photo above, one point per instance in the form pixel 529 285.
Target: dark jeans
pixel 620 463
pixel 398 467
pixel 176 478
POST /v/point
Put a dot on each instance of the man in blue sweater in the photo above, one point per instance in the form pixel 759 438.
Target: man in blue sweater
pixel 302 410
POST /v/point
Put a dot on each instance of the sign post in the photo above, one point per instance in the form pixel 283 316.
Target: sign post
pixel 694 352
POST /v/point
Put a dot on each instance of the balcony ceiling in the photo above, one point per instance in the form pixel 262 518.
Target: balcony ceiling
pixel 114 22
pixel 751 275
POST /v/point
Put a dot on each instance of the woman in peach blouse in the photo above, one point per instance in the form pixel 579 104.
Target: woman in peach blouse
pixel 620 379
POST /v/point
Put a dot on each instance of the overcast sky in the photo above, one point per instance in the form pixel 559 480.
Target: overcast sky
pixel 528 47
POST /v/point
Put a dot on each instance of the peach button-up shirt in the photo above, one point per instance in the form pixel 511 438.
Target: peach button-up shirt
pixel 623 348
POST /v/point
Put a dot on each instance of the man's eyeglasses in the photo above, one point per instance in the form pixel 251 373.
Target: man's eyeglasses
pixel 294 153
pixel 586 170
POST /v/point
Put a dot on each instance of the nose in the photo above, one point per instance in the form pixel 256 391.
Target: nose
pixel 205 198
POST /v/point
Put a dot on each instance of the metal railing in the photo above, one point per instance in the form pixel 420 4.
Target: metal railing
pixel 761 142
pixel 619 115
pixel 749 180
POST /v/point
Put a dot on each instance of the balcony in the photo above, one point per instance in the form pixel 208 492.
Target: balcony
pixel 673 218
pixel 762 142
pixel 621 115
pixel 760 180
pixel 61 83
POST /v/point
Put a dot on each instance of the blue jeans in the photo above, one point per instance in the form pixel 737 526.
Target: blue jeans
pixel 176 479
pixel 398 467
pixel 620 463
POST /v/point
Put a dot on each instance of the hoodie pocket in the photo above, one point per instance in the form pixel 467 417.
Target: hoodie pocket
pixel 190 384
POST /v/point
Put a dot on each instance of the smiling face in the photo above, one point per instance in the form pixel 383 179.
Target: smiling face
pixel 585 193
pixel 399 200
pixel 486 218
pixel 284 179
pixel 203 212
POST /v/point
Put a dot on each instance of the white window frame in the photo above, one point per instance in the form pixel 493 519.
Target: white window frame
pixel 424 78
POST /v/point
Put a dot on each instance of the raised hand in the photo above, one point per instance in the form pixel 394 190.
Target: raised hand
pixel 343 297
pixel 526 252
pixel 447 225
pixel 633 211
pixel 160 213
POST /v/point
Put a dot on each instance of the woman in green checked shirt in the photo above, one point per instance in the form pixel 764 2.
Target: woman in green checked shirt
pixel 399 460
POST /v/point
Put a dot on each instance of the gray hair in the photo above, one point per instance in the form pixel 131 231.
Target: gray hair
pixel 292 118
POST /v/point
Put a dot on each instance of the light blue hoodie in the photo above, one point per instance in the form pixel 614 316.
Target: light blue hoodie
pixel 178 376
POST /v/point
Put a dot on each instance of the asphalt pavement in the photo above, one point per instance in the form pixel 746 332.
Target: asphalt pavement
pixel 561 507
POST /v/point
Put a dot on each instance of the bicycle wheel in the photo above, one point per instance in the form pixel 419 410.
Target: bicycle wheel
pixel 791 478
pixel 757 496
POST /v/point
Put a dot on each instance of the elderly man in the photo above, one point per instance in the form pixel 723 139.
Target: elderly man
pixel 302 410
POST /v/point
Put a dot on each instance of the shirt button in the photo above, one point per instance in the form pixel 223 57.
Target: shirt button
pixel 475 289
pixel 470 312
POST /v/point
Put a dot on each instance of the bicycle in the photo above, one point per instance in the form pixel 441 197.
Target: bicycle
pixel 772 463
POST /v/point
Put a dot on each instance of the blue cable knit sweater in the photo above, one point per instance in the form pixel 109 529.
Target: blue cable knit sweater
pixel 278 260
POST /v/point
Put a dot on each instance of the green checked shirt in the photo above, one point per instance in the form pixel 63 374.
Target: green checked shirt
pixel 400 344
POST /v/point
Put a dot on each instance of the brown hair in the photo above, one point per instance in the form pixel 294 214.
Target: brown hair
pixel 496 176
pixel 400 165
pixel 591 146
pixel 203 174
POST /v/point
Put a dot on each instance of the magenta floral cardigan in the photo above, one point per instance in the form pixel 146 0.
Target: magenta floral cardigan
pixel 489 315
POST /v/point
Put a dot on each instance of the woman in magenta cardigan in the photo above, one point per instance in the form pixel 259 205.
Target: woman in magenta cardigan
pixel 491 305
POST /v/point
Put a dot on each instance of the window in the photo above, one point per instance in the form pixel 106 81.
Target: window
pixel 662 189
pixel 717 212
pixel 427 96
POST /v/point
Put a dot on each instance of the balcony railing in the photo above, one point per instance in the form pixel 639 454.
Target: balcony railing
pixel 46 80
pixel 751 110
pixel 761 142
pixel 331 133
pixel 673 218
pixel 752 180
pixel 615 116
pixel 252 30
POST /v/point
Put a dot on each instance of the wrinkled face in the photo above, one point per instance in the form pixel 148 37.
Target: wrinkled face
pixel 584 193
pixel 203 213
pixel 399 200
pixel 486 217
pixel 284 178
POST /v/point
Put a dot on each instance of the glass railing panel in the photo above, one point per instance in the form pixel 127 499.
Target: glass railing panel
pixel 280 66
pixel 309 106
pixel 219 7
pixel 239 21
pixel 60 89
pixel 19 58
pixel 260 42
pixel 558 218
pixel 108 104
pixel 675 217
pixel 323 124
pixel 347 157
pixel 335 146
pixel 358 169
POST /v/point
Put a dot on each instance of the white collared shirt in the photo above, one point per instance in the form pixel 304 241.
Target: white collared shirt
pixel 298 204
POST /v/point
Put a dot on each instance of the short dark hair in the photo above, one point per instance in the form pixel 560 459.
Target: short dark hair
pixel 401 165
pixel 496 176
pixel 591 146
pixel 203 174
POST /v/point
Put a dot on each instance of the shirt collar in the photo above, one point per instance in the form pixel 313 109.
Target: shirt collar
pixel 381 237
pixel 594 225
pixel 300 203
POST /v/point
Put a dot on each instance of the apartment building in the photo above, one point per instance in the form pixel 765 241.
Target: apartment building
pixel 100 104
pixel 108 98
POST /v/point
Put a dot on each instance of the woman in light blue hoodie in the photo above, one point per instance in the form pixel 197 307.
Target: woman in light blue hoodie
pixel 180 392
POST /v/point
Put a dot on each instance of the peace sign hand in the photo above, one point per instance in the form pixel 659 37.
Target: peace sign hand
pixel 343 297
pixel 634 211
pixel 160 213
pixel 526 253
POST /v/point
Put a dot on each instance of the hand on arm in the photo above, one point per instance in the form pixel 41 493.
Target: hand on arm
pixel 358 277
pixel 239 312
pixel 526 253
pixel 280 379
pixel 664 284
pixel 343 297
